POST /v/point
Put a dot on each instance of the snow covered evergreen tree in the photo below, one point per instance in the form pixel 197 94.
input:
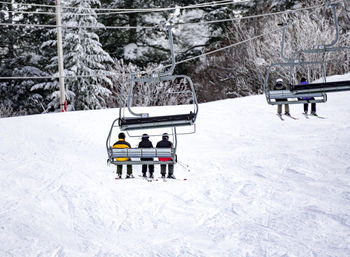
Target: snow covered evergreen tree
pixel 86 63
pixel 20 57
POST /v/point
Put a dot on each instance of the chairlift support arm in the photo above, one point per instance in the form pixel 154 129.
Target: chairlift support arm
pixel 327 47
pixel 171 44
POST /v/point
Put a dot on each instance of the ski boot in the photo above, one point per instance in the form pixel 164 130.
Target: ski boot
pixel 171 176
pixel 129 176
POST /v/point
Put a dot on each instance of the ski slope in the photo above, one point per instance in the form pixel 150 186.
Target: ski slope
pixel 257 186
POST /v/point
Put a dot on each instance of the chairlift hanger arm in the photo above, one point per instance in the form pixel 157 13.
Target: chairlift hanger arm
pixel 134 79
pixel 335 18
pixel 285 26
pixel 171 44
pixel 108 141
pixel 327 47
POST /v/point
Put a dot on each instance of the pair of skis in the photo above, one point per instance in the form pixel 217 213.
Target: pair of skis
pixel 148 179
pixel 287 115
pixel 307 116
pixel 161 179
pixel 294 118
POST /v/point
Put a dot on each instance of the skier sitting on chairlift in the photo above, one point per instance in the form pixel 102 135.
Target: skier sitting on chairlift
pixel 279 86
pixel 146 143
pixel 165 143
pixel 303 81
pixel 121 143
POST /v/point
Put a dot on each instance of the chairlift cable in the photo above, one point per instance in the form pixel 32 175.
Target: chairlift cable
pixel 188 23
pixel 159 9
pixel 122 10
pixel 28 12
pixel 143 72
pixel 167 66
pixel 252 16
pixel 76 27
pixel 28 4
pixel 157 26
pixel 218 50
pixel 151 10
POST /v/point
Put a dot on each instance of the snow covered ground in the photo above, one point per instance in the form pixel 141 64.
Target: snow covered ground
pixel 257 186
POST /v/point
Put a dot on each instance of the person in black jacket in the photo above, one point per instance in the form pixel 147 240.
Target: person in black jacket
pixel 146 143
pixel 165 143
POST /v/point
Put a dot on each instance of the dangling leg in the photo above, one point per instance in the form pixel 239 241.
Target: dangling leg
pixel 171 171
pixel 151 170
pixel 279 109
pixel 144 170
pixel 119 170
pixel 306 107
pixel 286 109
pixel 129 171
pixel 162 170
pixel 313 109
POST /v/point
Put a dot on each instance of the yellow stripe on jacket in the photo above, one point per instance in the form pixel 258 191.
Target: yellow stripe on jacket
pixel 121 143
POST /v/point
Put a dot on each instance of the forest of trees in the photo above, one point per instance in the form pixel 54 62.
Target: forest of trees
pixel 98 60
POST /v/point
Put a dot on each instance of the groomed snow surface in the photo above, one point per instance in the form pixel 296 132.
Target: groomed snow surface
pixel 257 186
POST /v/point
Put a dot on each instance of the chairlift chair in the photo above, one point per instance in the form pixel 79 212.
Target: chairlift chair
pixel 324 87
pixel 137 153
pixel 277 97
pixel 287 96
pixel 141 121
pixel 295 93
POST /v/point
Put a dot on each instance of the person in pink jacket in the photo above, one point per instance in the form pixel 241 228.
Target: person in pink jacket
pixel 165 143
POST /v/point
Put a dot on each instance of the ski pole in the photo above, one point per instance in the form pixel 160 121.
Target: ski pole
pixel 184 165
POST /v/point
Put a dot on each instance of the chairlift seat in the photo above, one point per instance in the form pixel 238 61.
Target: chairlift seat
pixel 288 97
pixel 132 123
pixel 139 153
pixel 325 87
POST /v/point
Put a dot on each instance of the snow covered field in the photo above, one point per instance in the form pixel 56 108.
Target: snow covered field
pixel 257 186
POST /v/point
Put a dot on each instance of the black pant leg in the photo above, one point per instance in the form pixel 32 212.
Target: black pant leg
pixel 313 107
pixel 119 169
pixel 151 168
pixel 129 169
pixel 162 169
pixel 170 169
pixel 144 168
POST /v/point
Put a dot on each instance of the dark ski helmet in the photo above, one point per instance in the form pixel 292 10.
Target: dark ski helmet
pixel 145 136
pixel 165 136
pixel 121 135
